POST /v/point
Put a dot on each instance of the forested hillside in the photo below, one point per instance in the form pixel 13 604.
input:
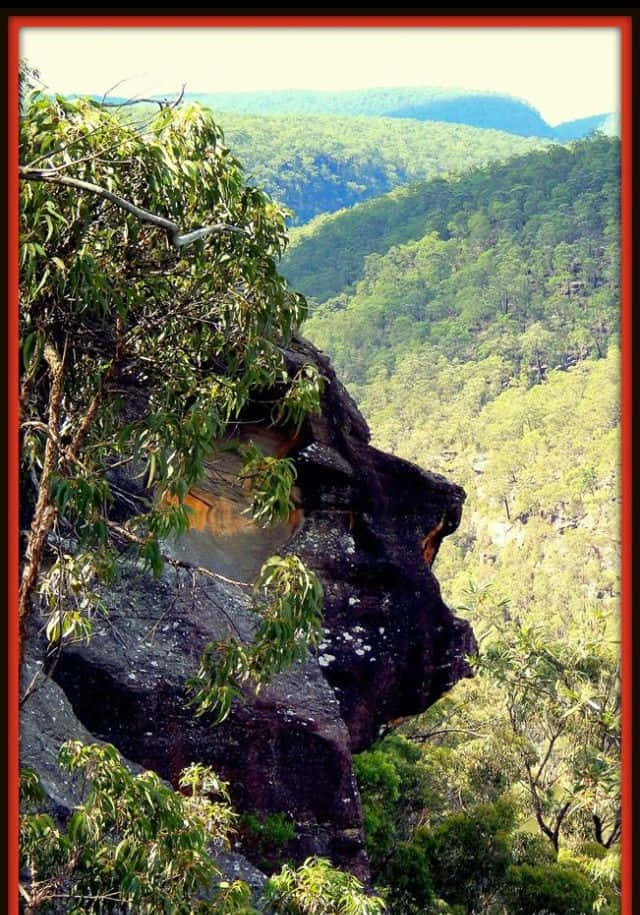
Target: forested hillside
pixel 317 164
pixel 318 153
pixel 505 797
pixel 489 110
pixel 487 351
pixel 539 201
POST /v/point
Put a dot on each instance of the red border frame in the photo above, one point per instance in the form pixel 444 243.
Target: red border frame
pixel 626 627
pixel 348 21
pixel 624 23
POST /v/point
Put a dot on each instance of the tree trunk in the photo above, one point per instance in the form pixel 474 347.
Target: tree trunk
pixel 45 511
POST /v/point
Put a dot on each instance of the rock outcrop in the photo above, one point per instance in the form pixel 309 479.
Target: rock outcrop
pixel 370 526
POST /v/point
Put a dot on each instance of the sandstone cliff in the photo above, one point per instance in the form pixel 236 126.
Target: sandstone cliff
pixel 370 526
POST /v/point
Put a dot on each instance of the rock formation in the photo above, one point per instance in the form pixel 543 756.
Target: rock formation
pixel 370 526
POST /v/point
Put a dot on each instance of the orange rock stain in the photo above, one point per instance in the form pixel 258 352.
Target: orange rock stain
pixel 430 542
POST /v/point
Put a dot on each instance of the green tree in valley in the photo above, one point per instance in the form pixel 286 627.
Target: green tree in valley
pixel 562 702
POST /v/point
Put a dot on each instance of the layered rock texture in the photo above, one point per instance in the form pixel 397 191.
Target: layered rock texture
pixel 370 526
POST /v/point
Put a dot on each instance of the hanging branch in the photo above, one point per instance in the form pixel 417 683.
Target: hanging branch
pixel 130 537
pixel 172 229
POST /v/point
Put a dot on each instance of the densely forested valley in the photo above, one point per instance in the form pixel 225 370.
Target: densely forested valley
pixel 292 648
pixel 484 345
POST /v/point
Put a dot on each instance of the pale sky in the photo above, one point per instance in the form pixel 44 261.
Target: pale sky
pixel 565 73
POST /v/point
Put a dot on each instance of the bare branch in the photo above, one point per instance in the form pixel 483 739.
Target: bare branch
pixel 560 817
pixel 177 239
pixel 180 97
pixel 33 684
pixel 545 760
pixel 125 79
pixel 423 738
pixel 162 103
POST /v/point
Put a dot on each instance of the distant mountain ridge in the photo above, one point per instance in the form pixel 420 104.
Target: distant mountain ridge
pixel 609 124
pixel 494 110
pixel 368 142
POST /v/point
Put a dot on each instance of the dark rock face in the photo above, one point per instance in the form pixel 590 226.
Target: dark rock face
pixel 373 525
pixel 370 526
pixel 285 750
pixel 48 721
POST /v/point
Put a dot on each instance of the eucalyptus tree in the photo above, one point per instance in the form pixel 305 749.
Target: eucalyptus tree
pixel 151 316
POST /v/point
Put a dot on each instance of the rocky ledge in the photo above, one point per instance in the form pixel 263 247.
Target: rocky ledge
pixel 370 526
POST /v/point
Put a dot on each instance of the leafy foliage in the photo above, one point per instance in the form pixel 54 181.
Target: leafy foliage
pixel 317 888
pixel 270 480
pixel 264 839
pixel 131 842
pixel 470 857
pixel 562 701
pixel 71 604
pixel 470 853
pixel 551 888
pixel 394 792
pixel 95 287
pixel 302 397
pixel 138 357
pixel 28 77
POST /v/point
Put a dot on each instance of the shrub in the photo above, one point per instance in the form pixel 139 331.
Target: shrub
pixel 553 888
